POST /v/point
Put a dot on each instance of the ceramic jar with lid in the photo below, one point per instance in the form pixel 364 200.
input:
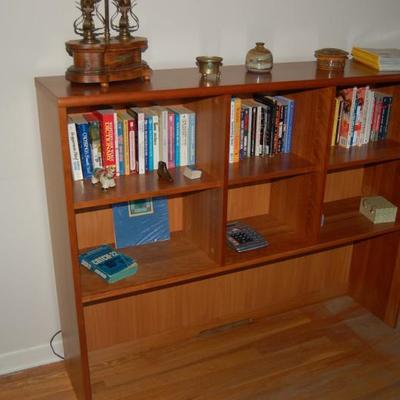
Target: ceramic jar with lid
pixel 259 59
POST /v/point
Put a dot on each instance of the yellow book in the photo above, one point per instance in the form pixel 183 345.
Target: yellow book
pixel 236 133
pixel 369 63
pixel 365 54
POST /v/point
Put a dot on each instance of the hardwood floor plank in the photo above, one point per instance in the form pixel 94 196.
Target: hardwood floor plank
pixel 334 350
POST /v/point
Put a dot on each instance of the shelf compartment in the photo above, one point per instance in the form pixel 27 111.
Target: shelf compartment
pixel 159 265
pixel 381 151
pixel 135 187
pixel 344 223
pixel 256 169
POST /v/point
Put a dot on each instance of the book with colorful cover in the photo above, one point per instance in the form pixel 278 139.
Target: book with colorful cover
pixel 124 117
pixel 76 165
pixel 111 265
pixel 121 151
pixel 140 222
pixel 82 130
pixel 171 139
pixel 107 136
pixel 95 140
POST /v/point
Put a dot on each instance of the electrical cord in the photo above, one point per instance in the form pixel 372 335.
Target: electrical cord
pixel 51 345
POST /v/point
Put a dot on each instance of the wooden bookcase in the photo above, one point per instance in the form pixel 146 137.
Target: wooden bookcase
pixel 195 281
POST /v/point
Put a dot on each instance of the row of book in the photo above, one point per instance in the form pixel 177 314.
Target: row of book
pixel 361 116
pixel 132 140
pixel 260 127
pixel 108 263
pixel 379 59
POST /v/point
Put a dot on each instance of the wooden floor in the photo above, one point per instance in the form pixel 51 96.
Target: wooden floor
pixel 334 350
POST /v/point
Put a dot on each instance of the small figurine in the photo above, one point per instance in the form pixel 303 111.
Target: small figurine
pixel 105 176
pixel 163 172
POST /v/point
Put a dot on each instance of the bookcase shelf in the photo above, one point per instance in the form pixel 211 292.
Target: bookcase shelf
pixel 255 169
pixel 375 152
pixel 195 280
pixel 135 187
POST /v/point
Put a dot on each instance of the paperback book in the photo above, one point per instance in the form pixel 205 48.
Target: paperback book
pixel 111 265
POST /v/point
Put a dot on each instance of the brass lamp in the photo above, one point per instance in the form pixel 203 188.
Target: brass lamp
pixel 100 58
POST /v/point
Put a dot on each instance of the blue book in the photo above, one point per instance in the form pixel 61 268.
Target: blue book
pixel 150 141
pixel 120 132
pixel 140 222
pixel 177 139
pixel 82 130
pixel 108 263
pixel 146 143
pixel 288 122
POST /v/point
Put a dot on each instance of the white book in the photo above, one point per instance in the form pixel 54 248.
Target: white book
pixel 370 99
pixel 163 133
pixel 76 165
pixel 156 139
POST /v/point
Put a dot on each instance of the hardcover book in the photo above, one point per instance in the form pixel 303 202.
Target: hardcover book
pixel 140 222
pixel 76 165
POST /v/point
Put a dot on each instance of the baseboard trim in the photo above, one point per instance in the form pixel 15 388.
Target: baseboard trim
pixel 29 357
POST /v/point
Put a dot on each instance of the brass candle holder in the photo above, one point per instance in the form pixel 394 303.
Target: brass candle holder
pixel 100 58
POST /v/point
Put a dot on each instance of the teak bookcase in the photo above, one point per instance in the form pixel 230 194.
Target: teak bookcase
pixel 194 281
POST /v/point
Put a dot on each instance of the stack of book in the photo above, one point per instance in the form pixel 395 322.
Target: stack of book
pixel 260 127
pixel 111 265
pixel 380 59
pixel 361 116
pixel 132 140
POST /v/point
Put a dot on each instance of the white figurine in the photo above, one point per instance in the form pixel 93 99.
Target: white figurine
pixel 105 177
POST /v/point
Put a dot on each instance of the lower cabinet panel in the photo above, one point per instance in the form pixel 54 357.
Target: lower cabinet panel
pixel 159 317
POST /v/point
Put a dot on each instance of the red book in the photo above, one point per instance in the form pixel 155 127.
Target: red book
pixel 107 136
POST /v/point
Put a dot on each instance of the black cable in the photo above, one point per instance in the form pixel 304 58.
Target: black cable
pixel 51 345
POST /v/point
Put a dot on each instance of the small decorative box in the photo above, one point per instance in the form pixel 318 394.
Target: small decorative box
pixel 377 209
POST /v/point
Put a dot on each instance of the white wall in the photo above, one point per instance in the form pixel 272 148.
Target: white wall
pixel 32 36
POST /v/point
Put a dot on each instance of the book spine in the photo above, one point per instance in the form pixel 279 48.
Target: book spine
pixel 192 139
pixel 146 143
pixel 156 141
pixel 276 128
pixel 184 139
pixel 164 134
pixel 241 142
pixel 383 127
pixel 150 144
pixel 368 120
pixel 290 124
pixel 245 131
pixel 116 142
pixel 232 131
pixel 253 131
pixel 120 130
pixel 236 132
pixel 125 136
pixel 171 145
pixel 76 165
pixel 141 143
pixel 108 140
pixel 177 139
pixel 84 149
pixel 335 121
pixel 132 130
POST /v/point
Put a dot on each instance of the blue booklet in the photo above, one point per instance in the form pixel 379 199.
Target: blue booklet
pixel 140 222
pixel 108 263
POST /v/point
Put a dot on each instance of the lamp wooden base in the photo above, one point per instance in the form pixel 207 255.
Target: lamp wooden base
pixel 103 62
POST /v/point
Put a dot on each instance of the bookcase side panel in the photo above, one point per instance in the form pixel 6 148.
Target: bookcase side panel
pixel 374 264
pixel 211 134
pixel 52 120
